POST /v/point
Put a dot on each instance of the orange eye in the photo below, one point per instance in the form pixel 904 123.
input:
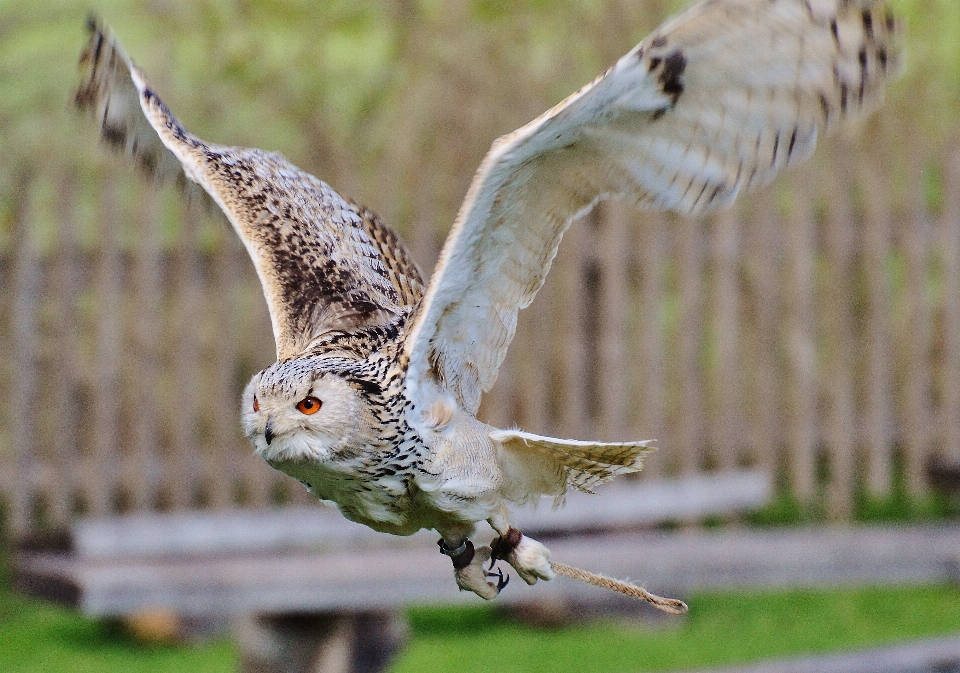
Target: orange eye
pixel 256 404
pixel 309 405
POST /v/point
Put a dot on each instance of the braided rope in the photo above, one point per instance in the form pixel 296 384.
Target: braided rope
pixel 671 605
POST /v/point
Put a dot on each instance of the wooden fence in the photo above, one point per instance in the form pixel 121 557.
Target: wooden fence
pixel 814 330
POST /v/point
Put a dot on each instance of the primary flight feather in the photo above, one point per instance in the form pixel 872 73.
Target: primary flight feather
pixel 372 400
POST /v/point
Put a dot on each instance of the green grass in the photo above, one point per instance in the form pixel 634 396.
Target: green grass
pixel 722 628
pixel 40 638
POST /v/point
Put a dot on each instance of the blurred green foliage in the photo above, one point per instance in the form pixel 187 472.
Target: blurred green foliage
pixel 364 94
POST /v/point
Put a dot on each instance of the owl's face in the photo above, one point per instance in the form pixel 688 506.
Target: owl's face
pixel 293 413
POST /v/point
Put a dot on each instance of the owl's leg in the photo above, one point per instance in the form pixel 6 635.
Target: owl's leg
pixel 468 565
pixel 529 558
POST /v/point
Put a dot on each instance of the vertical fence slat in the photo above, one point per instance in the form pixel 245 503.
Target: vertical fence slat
pixel 531 367
pixel 25 285
pixel 255 477
pixel 877 336
pixel 142 466
pixel 691 332
pixel 800 391
pixel 101 473
pixel 651 349
pixel 181 411
pixel 727 433
pixel 573 369
pixel 613 388
pixel 916 334
pixel 949 225
pixel 65 353
pixel 222 336
pixel 762 251
pixel 838 343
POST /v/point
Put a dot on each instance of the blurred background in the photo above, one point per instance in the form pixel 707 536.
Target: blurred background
pixel 812 332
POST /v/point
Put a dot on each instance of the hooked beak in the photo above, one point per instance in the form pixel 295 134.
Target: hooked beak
pixel 268 431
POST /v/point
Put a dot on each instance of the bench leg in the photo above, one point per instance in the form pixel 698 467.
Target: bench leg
pixel 363 642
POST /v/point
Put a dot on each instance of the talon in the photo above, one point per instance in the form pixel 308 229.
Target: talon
pixel 472 576
pixel 501 580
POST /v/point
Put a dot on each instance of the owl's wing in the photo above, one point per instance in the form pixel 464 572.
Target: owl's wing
pixel 715 101
pixel 325 263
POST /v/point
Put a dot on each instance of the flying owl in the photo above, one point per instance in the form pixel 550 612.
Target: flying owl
pixel 372 401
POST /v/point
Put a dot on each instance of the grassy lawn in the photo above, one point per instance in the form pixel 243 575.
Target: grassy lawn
pixel 721 628
pixel 36 637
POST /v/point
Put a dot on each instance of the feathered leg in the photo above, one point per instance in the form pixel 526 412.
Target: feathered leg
pixel 528 557
pixel 468 564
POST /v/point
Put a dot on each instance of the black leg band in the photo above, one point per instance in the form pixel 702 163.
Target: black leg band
pixel 505 544
pixel 461 556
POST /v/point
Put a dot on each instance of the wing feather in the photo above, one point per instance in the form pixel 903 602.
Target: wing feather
pixel 714 102
pixel 325 263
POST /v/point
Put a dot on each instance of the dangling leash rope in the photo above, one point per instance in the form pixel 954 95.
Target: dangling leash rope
pixel 671 605
pixel 506 543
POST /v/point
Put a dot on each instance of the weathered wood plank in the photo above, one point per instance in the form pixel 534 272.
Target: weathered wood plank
pixel 347 580
pixel 629 504
pixel 618 505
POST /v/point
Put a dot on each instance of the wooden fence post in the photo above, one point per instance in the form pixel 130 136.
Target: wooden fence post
pixel 877 332
pixel 800 391
pixel 26 278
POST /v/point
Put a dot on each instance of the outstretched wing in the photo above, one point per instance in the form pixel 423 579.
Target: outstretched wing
pixel 325 264
pixel 714 102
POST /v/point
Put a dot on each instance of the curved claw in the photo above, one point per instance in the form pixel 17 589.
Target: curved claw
pixel 473 576
pixel 501 580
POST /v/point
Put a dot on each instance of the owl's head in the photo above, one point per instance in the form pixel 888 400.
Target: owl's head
pixel 304 409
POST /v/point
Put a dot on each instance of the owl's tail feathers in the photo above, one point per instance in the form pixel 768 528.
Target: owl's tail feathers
pixel 552 464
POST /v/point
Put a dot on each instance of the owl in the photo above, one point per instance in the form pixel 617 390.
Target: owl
pixel 372 401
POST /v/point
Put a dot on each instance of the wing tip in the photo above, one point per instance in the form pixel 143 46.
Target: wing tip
pixel 112 91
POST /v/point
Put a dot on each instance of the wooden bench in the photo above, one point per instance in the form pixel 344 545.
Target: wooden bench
pixel 306 590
